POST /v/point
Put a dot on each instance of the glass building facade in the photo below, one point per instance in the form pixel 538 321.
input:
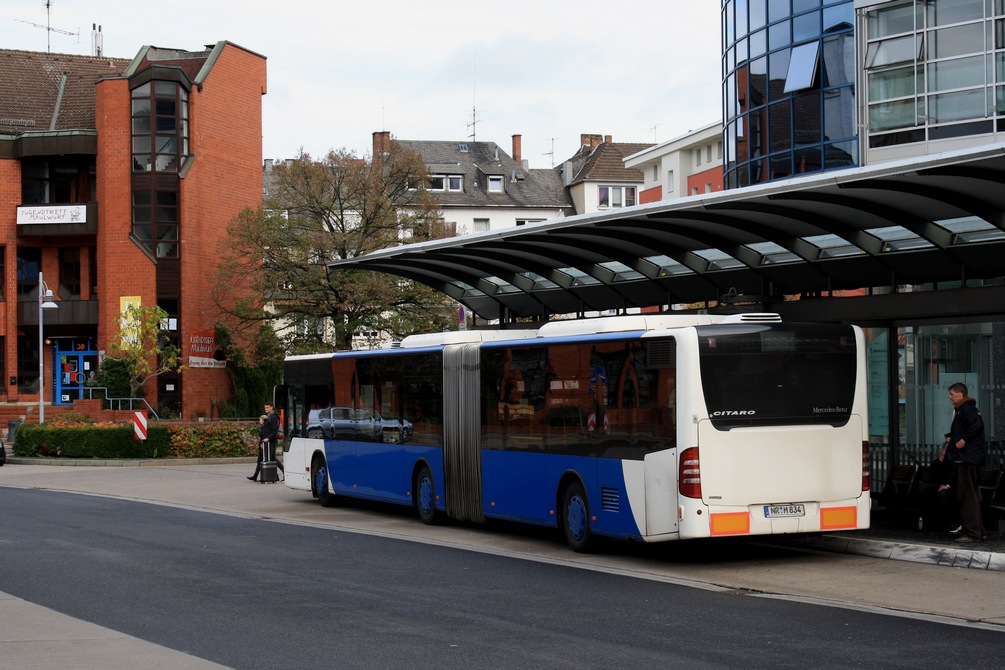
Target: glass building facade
pixel 934 71
pixel 788 88
pixel 807 86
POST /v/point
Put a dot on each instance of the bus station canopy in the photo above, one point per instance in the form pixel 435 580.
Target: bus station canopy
pixel 939 218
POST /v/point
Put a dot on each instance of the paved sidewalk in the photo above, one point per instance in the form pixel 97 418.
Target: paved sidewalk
pixel 37 637
pixel 884 541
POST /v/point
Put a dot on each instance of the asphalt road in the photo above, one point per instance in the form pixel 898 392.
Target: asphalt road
pixel 251 593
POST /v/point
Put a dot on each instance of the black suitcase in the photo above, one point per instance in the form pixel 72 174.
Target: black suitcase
pixel 270 471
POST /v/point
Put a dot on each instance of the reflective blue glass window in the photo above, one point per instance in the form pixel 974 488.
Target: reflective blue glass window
pixel 780 126
pixel 779 35
pixel 727 21
pixel 778 68
pixel 839 113
pixel 839 17
pixel 758 83
pixel 781 166
pixel 806 27
pixel 758 14
pixel 838 57
pixel 807 114
pixel 802 73
pixel 841 154
pixel 758 43
pixel 808 160
pixel 777 9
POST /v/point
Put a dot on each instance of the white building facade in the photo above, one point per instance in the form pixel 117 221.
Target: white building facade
pixel 690 164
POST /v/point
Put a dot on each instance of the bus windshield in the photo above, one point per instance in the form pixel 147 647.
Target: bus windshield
pixel 757 375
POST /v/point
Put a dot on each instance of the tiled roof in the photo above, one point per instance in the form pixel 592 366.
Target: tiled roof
pixel 605 162
pixel 30 84
pixel 475 161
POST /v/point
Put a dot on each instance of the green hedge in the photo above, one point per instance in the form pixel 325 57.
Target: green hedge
pixel 200 440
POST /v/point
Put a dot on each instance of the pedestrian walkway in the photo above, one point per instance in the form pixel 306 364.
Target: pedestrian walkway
pixel 37 637
pixel 888 538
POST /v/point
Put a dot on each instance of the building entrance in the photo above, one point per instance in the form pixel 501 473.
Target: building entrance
pixel 75 365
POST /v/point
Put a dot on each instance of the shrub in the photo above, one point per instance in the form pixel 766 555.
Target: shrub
pixel 114 376
pixel 209 440
pixel 60 439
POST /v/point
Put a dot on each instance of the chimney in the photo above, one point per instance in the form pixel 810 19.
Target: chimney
pixel 607 139
pixel 517 148
pixel 590 140
pixel 381 140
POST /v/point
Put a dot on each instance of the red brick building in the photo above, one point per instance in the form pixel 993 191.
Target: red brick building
pixel 117 180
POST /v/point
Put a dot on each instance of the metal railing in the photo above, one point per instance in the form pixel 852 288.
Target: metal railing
pixel 117 403
pixel 917 454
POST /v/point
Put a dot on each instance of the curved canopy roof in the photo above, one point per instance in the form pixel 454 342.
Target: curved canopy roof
pixel 931 219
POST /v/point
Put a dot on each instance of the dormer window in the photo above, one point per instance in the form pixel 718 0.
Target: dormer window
pixel 446 182
pixel 495 184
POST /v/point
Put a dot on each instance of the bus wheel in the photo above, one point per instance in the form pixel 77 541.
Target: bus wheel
pixel 425 496
pixel 576 518
pixel 325 496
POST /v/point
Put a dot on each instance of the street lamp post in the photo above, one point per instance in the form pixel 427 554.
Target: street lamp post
pixel 45 301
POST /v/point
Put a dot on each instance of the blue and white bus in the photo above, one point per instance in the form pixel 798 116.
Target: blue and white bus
pixel 643 427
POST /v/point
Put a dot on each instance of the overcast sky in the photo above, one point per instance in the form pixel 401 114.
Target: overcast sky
pixel 339 70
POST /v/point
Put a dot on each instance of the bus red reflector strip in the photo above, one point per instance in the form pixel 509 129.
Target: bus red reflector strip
pixel 730 523
pixel 832 518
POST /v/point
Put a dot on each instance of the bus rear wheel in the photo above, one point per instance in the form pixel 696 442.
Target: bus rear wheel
pixel 425 496
pixel 576 518
pixel 321 485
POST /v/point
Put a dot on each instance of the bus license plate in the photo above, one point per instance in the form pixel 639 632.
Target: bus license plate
pixel 784 510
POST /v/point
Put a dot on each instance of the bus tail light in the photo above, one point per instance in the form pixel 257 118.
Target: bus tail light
pixel 689 474
pixel 865 465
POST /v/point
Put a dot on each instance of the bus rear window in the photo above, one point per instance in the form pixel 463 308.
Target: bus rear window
pixel 759 375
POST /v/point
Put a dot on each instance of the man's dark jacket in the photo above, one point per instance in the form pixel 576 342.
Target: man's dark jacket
pixel 968 426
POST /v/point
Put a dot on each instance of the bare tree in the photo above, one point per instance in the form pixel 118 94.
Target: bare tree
pixel 337 207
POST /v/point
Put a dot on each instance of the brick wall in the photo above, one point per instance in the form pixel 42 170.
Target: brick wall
pixel 123 269
pixel 10 198
pixel 700 180
pixel 226 177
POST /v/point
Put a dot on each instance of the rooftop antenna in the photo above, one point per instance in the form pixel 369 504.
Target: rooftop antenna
pixel 49 30
pixel 552 152
pixel 97 40
pixel 654 132
pixel 474 99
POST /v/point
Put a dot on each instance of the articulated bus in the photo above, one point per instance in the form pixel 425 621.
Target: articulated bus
pixel 640 427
